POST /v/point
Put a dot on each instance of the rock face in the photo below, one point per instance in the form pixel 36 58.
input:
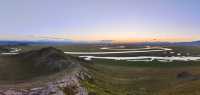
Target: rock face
pixel 69 85
pixel 51 60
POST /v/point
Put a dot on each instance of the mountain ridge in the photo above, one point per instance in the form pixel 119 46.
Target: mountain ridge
pixel 70 42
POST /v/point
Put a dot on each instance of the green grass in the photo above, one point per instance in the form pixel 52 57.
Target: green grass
pixel 136 78
pixel 150 64
pixel 14 70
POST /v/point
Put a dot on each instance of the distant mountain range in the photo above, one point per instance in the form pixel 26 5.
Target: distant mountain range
pixel 192 43
pixel 39 42
pixel 67 42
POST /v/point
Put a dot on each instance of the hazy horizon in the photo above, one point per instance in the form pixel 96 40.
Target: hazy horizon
pixel 93 20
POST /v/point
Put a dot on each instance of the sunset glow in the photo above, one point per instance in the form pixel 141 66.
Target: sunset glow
pixel 92 20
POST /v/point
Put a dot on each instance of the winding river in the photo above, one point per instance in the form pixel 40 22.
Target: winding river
pixel 141 50
pixel 138 58
pixel 145 58
pixel 122 51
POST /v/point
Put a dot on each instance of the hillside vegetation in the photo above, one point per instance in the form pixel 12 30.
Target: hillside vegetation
pixel 143 78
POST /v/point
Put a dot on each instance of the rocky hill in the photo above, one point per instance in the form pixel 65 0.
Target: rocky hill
pixel 47 71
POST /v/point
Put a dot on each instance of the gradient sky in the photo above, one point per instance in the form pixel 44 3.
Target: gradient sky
pixel 120 20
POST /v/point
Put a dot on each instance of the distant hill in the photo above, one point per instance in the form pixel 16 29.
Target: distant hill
pixel 40 42
pixel 193 43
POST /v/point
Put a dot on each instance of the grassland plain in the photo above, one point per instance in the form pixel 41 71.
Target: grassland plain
pixel 142 78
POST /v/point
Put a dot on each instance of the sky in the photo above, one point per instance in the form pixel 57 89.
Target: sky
pixel 92 20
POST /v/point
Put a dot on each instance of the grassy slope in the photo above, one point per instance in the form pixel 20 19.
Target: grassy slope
pixel 33 64
pixel 17 70
pixel 129 78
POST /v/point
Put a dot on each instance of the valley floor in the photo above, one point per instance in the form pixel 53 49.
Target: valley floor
pixel 143 78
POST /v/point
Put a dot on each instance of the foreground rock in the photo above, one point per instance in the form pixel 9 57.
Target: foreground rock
pixel 69 85
pixel 67 72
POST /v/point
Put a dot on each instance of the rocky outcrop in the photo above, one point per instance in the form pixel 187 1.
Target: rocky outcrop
pixel 68 85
